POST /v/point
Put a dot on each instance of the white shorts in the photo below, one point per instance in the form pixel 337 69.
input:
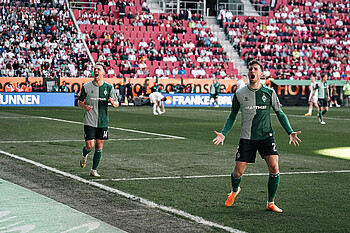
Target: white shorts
pixel 314 99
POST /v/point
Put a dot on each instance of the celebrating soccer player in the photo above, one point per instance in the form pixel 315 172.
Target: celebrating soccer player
pixel 96 94
pixel 255 101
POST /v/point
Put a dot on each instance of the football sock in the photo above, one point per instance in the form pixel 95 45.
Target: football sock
pixel 97 158
pixel 235 182
pixel 154 108
pixel 324 112
pixel 274 179
pixel 158 109
pixel 310 110
pixel 85 151
pixel 320 115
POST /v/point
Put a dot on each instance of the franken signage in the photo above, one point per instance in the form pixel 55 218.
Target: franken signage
pixel 33 99
pixel 195 100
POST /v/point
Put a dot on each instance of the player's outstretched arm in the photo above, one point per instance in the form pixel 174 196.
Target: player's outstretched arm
pixel 293 137
pixel 219 138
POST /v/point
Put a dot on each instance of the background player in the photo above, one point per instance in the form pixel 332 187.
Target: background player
pixel 214 93
pixel 255 101
pixel 94 99
pixel 157 99
pixel 312 97
pixel 323 97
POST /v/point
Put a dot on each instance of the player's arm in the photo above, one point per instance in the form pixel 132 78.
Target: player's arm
pixel 328 96
pixel 316 87
pixel 81 101
pixel 113 98
pixel 230 121
pixel 283 119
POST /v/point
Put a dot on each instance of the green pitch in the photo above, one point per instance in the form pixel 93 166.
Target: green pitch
pixel 192 173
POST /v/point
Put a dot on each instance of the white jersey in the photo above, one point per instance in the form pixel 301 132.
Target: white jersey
pixel 240 84
pixel 155 97
pixel 312 86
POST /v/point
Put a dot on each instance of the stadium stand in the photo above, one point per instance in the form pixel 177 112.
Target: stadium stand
pixel 149 41
pixel 40 40
pixel 297 39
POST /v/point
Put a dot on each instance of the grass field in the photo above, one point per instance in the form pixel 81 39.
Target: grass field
pixel 192 173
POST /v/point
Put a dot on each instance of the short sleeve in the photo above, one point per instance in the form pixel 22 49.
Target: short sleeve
pixel 82 94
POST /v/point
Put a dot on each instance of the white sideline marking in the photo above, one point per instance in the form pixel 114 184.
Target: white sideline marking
pixel 127 195
pixel 16 117
pixel 111 127
pixel 213 176
pixel 330 118
pixel 80 140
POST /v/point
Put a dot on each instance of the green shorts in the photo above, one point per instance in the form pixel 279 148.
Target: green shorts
pixel 323 103
pixel 91 133
pixel 246 151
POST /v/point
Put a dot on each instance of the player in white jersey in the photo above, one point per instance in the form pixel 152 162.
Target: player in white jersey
pixel 313 98
pixel 157 99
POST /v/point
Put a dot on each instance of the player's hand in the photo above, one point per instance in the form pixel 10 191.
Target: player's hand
pixel 219 138
pixel 114 103
pixel 293 137
pixel 88 108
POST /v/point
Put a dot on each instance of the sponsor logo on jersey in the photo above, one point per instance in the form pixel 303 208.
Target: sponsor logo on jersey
pixel 256 107
pixel 98 98
pixel 246 98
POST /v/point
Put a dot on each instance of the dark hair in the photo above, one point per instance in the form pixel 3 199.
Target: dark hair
pixel 101 64
pixel 252 62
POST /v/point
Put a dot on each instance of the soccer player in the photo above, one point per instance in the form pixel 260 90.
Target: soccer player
pixel 312 97
pixel 157 99
pixel 96 94
pixel 255 100
pixel 241 82
pixel 214 93
pixel 323 97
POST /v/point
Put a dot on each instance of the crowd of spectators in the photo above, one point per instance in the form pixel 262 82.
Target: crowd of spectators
pixel 142 39
pixel 297 40
pixel 39 39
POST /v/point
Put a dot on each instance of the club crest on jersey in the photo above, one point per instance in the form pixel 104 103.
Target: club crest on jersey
pixel 105 92
pixel 264 98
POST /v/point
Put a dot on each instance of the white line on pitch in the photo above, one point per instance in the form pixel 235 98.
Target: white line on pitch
pixel 111 127
pixel 16 117
pixel 330 118
pixel 127 195
pixel 213 176
pixel 81 140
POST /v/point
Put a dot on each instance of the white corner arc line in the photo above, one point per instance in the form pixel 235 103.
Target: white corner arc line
pixel 111 127
pixel 127 195
pixel 214 176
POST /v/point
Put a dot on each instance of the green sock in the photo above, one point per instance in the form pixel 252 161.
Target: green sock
pixel 274 179
pixel 324 112
pixel 320 115
pixel 235 182
pixel 85 151
pixel 97 158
